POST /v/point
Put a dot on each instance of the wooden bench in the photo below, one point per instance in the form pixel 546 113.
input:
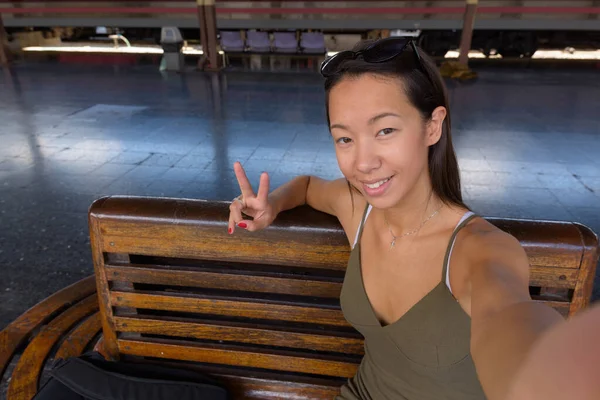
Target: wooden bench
pixel 258 311
pixel 61 326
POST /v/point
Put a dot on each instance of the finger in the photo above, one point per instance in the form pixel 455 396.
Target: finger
pixel 231 225
pixel 245 186
pixel 263 187
pixel 248 225
pixel 235 215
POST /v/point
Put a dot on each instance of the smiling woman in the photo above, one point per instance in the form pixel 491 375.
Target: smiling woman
pixel 439 294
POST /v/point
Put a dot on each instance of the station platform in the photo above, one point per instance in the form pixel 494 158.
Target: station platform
pixel 108 54
pixel 528 143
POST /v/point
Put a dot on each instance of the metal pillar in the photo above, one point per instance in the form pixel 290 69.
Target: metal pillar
pixel 3 39
pixel 203 35
pixel 207 17
pixel 467 31
pixel 210 18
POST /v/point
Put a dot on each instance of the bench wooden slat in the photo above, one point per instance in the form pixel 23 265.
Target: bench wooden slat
pixel 78 340
pixel 564 278
pixel 224 280
pixel 230 355
pixel 233 308
pixel 540 276
pixel 144 240
pixel 201 232
pixel 20 330
pixel 24 383
pixel 243 334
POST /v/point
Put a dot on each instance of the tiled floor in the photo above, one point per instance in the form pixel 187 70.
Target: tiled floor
pixel 528 143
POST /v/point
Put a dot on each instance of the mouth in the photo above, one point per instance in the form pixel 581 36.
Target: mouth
pixel 376 188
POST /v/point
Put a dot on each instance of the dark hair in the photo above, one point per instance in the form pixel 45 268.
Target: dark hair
pixel 425 92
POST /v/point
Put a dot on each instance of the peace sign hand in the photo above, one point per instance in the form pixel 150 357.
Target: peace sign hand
pixel 256 206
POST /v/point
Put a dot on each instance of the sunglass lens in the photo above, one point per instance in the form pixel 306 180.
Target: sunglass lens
pixel 386 50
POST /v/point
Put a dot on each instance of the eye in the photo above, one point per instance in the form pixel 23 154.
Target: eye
pixel 385 132
pixel 343 140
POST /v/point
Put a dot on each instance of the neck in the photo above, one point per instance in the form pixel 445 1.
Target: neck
pixel 410 213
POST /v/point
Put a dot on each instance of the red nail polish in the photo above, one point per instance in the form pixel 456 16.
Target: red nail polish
pixel 230 230
pixel 242 225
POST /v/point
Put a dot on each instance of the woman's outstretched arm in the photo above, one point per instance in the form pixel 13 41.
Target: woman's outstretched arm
pixel 505 322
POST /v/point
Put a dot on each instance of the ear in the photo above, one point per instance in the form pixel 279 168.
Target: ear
pixel 435 125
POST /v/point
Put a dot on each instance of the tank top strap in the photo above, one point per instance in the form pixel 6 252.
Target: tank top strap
pixel 362 224
pixel 461 224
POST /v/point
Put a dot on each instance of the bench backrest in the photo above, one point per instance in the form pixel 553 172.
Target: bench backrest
pixel 261 310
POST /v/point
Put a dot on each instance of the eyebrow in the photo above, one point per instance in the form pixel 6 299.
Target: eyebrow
pixel 383 115
pixel 371 121
pixel 339 126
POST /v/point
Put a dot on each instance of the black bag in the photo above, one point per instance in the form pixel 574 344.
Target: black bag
pixel 91 377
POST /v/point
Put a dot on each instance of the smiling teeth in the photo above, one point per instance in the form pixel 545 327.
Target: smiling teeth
pixel 377 184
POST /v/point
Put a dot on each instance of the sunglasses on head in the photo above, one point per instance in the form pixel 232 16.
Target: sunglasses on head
pixel 379 52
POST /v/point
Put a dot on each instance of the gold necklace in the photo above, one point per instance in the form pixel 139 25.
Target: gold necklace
pixel 394 237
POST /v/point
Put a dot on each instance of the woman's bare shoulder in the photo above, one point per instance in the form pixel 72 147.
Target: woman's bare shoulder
pixel 482 245
pixel 338 198
pixel 480 233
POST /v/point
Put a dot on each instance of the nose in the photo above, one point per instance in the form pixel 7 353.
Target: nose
pixel 367 159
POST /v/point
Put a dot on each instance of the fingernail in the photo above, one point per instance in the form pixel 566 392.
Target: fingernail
pixel 230 231
pixel 242 225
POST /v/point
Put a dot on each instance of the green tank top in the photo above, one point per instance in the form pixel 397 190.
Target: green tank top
pixel 425 355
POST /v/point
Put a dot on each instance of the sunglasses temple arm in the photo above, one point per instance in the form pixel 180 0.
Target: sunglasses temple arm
pixel 414 47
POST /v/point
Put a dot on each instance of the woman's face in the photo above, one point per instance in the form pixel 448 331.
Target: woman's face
pixel 381 139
